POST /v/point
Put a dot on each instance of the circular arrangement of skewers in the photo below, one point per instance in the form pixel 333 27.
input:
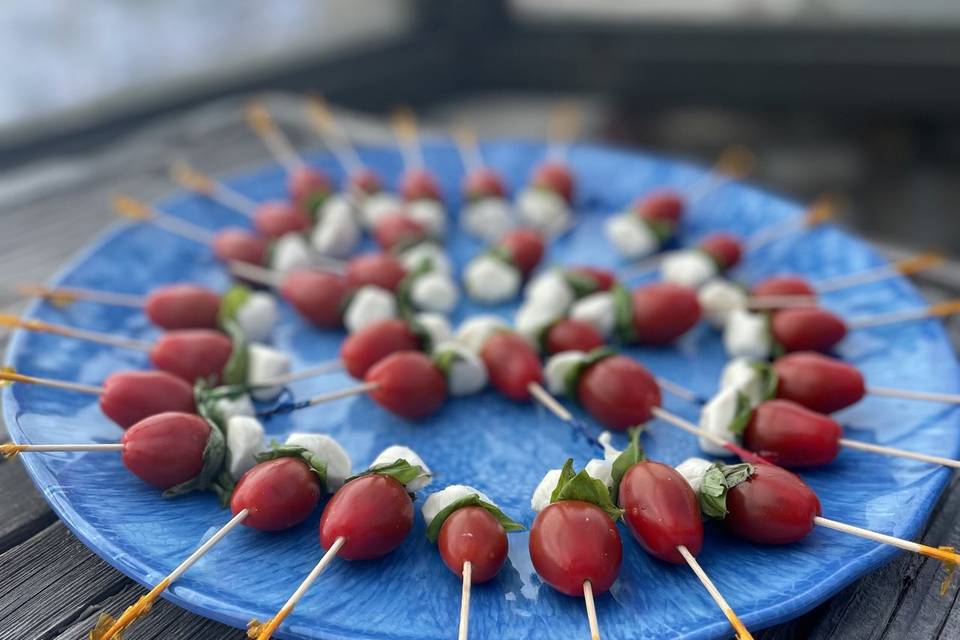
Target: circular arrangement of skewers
pixel 195 421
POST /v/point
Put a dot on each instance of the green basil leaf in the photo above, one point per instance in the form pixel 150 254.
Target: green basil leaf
pixel 235 371
pixel 623 313
pixel 445 360
pixel 400 470
pixel 581 283
pixel 628 457
pixel 314 201
pixel 230 303
pixel 769 380
pixel 423 336
pixel 742 417
pixel 713 493
pixel 663 229
pixel 566 475
pixel 473 500
pixel 734 474
pixel 584 488
pixel 316 464
pixel 404 293
pixel 214 454
pixel 572 379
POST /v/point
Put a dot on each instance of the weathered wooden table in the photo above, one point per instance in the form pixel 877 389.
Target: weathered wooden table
pixel 53 588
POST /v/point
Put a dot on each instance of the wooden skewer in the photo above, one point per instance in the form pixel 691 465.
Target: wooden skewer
pixel 254 273
pixel 189 178
pixel 405 129
pixel 905 267
pixel 759 303
pixel 323 122
pixel 693 429
pixel 937 310
pixel 14 322
pixel 944 554
pixel 10 449
pixel 280 147
pixel 464 630
pixel 823 208
pixel 142 606
pixel 68 295
pixel 128 207
pixel 735 162
pixel 10 376
pixel 355 390
pixel 265 631
pixel 738 627
pixel 545 398
pixel 591 610
pixel 563 127
pixel 907 394
pixel 466 141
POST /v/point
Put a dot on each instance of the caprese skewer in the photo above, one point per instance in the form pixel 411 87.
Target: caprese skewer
pixel 418 187
pixel 496 276
pixel 486 213
pixel 362 181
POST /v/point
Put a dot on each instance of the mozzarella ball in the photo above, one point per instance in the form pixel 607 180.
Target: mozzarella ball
pixel 631 236
pixel 227 408
pixel 688 268
pixel 488 218
pixel 245 438
pixel 467 373
pixel 551 290
pixel 474 332
pixel 436 326
pixel 601 470
pixel 490 280
pixel 377 206
pixel 748 335
pixel 598 310
pixel 430 214
pixel 289 252
pixel 437 502
pixel 693 470
pixel 426 252
pixel 716 417
pixel 337 233
pixel 258 315
pixel 740 374
pixel 435 291
pixel 558 368
pixel 719 298
pixel 265 364
pixel 370 304
pixel 541 495
pixel 532 320
pixel 544 210
pixel 398 452
pixel 339 467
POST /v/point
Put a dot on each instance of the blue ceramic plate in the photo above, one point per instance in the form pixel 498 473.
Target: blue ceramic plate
pixel 498 446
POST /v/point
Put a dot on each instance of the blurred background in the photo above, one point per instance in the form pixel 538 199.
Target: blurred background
pixel 861 97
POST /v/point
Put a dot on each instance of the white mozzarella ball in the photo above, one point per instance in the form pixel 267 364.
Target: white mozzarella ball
pixel 241 405
pixel 598 310
pixel 437 502
pixel 264 364
pixel 435 291
pixel 740 374
pixel 693 470
pixel 541 495
pixel 467 373
pixel 689 268
pixel 398 452
pixel 490 280
pixel 747 335
pixel 370 304
pixel 436 326
pixel 377 206
pixel 631 236
pixel 337 233
pixel 290 252
pixel 552 290
pixel 601 470
pixel 426 252
pixel 488 218
pixel 258 315
pixel 245 438
pixel 716 417
pixel 474 332
pixel 719 298
pixel 544 210
pixel 532 320
pixel 339 466
pixel 431 214
pixel 558 368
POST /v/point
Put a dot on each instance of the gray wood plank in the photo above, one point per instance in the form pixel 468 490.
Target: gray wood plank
pixel 24 512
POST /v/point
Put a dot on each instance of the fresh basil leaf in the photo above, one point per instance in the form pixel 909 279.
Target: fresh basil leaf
pixel 585 488
pixel 734 474
pixel 662 229
pixel 566 475
pixel 404 293
pixel 400 470
pixel 581 283
pixel 214 454
pixel 713 493
pixel 769 380
pixel 742 417
pixel 423 336
pixel 316 464
pixel 235 371
pixel 445 360
pixel 623 313
pixel 473 500
pixel 314 201
pixel 572 379
pixel 230 303
pixel 628 457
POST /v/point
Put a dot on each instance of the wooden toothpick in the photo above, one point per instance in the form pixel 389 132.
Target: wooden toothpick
pixel 277 143
pixel 67 295
pixel 132 209
pixel 738 626
pixel 10 376
pixel 39 326
pixel 189 178
pixel 405 129
pixel 591 610
pixel 464 630
pixel 333 135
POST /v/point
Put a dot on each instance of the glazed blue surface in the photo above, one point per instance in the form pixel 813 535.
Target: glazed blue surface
pixel 500 447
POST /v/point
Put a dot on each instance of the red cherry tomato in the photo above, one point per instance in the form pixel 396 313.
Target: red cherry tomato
pixel 556 177
pixel 787 434
pixel 483 183
pixel 525 248
pixel 279 493
pixel 419 184
pixel 275 219
pixel 661 510
pixel 183 306
pixel 130 396
pixel 241 246
pixel 661 206
pixel 662 312
pixel 191 354
pixel 396 228
pixel 373 343
pixel 379 269
pixel 473 534
pixel 618 392
pixel 572 542
pixel 807 329
pixel 818 382
pixel 572 335
pixel 724 248
pixel 365 181
pixel 512 364
pixel 374 514
pixel 316 295
pixel 409 384
pixel 783 286
pixel 773 506
pixel 304 184
pixel 604 279
pixel 166 449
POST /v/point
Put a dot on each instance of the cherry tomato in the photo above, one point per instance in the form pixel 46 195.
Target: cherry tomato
pixel 317 296
pixel 661 206
pixel 373 343
pixel 818 382
pixel 618 392
pixel 241 246
pixel 409 384
pixel 807 329
pixel 483 183
pixel 572 542
pixel 662 312
pixel 572 335
pixel 790 435
pixel 661 510
pixel 783 286
pixel 183 306
pixel 166 449
pixel 603 278
pixel 773 506
pixel 512 364
pixel 365 181
pixel 525 248
pixel 556 177
pixel 374 514
pixel 130 396
pixel 304 184
pixel 419 184
pixel 279 493
pixel 379 269
pixel 398 228
pixel 191 354
pixel 724 248
pixel 473 534
pixel 275 219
